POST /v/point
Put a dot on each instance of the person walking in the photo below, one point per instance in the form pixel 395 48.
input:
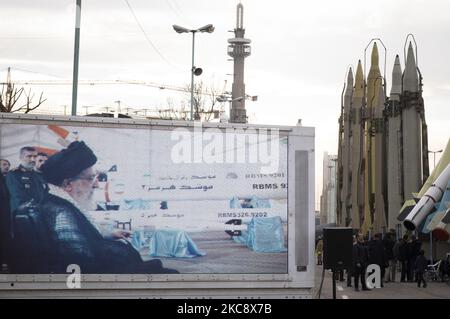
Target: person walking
pixel 377 254
pixel 360 259
pixel 389 243
pixel 403 257
pixel 420 266
pixel 319 250
pixel 350 270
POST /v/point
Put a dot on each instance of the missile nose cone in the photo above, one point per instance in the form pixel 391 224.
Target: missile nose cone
pixel 410 78
pixel 375 57
pixel 349 86
pixel 359 81
pixel 396 88
pixel 350 78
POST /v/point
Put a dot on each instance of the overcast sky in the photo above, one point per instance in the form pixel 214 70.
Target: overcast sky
pixel 300 53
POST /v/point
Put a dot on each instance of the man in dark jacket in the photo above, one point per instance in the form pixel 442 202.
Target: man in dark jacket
pixel 24 184
pixel 389 243
pixel 74 239
pixel 360 260
pixel 421 265
pixel 416 246
pixel 403 257
pixel 377 254
pixel 5 226
pixel 5 166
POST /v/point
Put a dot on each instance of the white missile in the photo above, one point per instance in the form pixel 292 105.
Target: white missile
pixel 440 224
pixel 394 148
pixel 410 78
pixel 412 128
pixel 428 201
pixel 396 88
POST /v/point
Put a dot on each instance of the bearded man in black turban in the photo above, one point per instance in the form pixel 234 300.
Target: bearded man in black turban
pixel 73 238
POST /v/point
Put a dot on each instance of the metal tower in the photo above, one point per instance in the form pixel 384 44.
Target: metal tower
pixel 238 49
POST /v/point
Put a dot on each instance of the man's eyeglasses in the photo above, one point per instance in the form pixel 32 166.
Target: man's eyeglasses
pixel 90 178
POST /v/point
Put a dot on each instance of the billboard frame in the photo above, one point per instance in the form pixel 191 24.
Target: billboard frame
pixel 298 282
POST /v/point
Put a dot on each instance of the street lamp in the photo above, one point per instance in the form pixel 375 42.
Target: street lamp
pixel 434 156
pixel 228 98
pixel 194 71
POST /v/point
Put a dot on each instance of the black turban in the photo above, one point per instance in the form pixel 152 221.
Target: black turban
pixel 68 163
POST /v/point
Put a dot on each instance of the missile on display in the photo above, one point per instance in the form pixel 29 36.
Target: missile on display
pixel 412 128
pixel 345 152
pixel 428 201
pixel 379 220
pixel 383 147
pixel 356 150
pixel 372 99
pixel 440 225
pixel 394 155
pixel 440 166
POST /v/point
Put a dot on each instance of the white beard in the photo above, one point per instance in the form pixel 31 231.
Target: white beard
pixel 87 203
pixel 84 205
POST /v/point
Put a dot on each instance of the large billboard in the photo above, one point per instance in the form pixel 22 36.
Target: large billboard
pixel 173 200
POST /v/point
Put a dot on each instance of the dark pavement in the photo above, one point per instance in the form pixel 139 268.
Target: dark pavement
pixel 392 290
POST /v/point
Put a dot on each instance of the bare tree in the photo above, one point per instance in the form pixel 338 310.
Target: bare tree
pixel 204 100
pixel 11 102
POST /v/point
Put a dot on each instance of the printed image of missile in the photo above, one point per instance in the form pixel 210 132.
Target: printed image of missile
pixel 356 150
pixel 428 201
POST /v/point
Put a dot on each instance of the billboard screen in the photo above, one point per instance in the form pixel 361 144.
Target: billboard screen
pixel 139 200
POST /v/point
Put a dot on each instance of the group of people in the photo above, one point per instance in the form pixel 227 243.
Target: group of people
pixel 60 189
pixel 385 252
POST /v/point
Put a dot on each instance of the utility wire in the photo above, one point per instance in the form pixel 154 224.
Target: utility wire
pixel 173 9
pixel 31 37
pixel 176 6
pixel 36 72
pixel 145 34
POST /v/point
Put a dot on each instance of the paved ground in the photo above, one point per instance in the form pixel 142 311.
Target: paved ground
pixel 394 290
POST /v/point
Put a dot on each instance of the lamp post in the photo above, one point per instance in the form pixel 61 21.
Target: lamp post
pixel 194 71
pixel 434 156
pixel 76 58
